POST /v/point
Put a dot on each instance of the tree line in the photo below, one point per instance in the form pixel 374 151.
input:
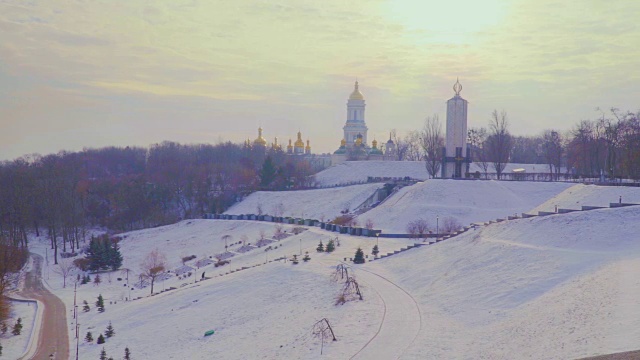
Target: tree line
pixel 607 146
pixel 61 195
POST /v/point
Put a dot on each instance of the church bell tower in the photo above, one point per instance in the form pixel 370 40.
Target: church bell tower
pixel 355 126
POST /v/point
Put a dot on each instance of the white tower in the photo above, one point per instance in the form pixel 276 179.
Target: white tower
pixel 455 151
pixel 355 118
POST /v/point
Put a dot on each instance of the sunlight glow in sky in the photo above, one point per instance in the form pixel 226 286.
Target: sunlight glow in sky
pixel 77 74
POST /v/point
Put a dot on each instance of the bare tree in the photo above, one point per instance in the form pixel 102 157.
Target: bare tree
pixel 152 266
pixel 401 146
pixel 278 210
pixel 418 228
pixel 259 209
pixel 322 329
pixel 414 146
pixel 369 224
pixel 450 225
pixel 499 141
pixel 226 238
pixel 552 150
pixel 432 144
pixel 64 269
pixel 479 151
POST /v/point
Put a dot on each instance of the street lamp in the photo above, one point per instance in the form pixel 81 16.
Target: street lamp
pixel 300 247
pixel 437 226
pixel 377 236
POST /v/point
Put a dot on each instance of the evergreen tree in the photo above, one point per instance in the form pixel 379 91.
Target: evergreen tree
pixel 100 303
pixel 103 353
pixel 100 339
pixel 85 307
pixel 320 247
pixel 268 172
pixel 375 250
pixel 3 328
pixel 0 349
pixel 127 353
pixel 95 254
pixel 97 280
pixel 85 279
pixel 109 332
pixel 89 337
pixel 115 258
pixel 359 257
pixel 306 256
pixel 17 328
pixel 330 246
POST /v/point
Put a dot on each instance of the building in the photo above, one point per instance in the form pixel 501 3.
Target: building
pixel 354 145
pixel 456 156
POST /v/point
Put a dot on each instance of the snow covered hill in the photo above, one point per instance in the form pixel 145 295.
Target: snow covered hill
pixel 466 201
pixel 314 204
pixel 554 287
pixel 358 171
pixel 577 196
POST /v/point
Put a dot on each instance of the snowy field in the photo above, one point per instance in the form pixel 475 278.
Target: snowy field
pixel 16 345
pixel 313 204
pixel 277 302
pixel 466 201
pixel 555 287
pixel 358 171
pixel 560 286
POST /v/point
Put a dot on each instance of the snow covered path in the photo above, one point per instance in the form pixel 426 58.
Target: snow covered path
pixel 401 320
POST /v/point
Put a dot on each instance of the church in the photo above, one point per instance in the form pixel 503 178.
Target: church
pixel 354 145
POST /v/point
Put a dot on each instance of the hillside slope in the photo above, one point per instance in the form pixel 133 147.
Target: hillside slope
pixel 555 287
pixel 593 195
pixel 466 201
pixel 314 204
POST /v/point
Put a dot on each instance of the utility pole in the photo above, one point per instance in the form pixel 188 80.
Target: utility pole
pixel 75 307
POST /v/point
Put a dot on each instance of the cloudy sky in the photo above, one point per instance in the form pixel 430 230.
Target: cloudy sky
pixel 77 74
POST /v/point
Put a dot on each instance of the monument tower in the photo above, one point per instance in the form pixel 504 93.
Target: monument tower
pixel 456 155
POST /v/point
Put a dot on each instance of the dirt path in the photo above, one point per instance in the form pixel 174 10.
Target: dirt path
pixel 54 334
pixel 400 324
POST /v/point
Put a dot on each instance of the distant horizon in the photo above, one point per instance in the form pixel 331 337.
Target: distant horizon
pixel 134 74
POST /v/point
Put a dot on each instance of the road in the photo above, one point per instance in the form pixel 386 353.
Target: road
pixel 54 334
pixel 401 321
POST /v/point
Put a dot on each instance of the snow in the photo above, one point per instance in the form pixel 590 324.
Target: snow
pixel 468 201
pixel 358 171
pixel 16 345
pixel 541 288
pixel 593 195
pixel 559 286
pixel 312 204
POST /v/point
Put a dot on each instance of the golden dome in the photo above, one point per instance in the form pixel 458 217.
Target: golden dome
pixel 375 143
pixel 260 140
pixel 308 148
pixel 343 143
pixel 289 146
pixel 299 143
pixel 358 141
pixel 356 94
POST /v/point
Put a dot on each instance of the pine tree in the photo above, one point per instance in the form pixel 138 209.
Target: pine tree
pixel 85 279
pixel 320 247
pixel 0 349
pixel 109 332
pixel 17 328
pixel 330 246
pixel 89 337
pixel 375 250
pixel 359 257
pixel 85 307
pixel 115 258
pixel 3 328
pixel 127 353
pixel 103 353
pixel 97 280
pixel 306 256
pixel 95 254
pixel 100 339
pixel 100 303
pixel 268 172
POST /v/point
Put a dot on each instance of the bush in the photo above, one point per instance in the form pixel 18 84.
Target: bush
pixel 342 220
pixel 418 228
pixel 100 339
pixel 450 225
pixel 65 255
pixel 82 264
pixel 187 258
pixel 17 328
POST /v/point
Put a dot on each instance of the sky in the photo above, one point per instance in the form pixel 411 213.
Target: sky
pixel 80 74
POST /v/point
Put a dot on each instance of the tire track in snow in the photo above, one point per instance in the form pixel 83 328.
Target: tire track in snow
pixel 396 326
